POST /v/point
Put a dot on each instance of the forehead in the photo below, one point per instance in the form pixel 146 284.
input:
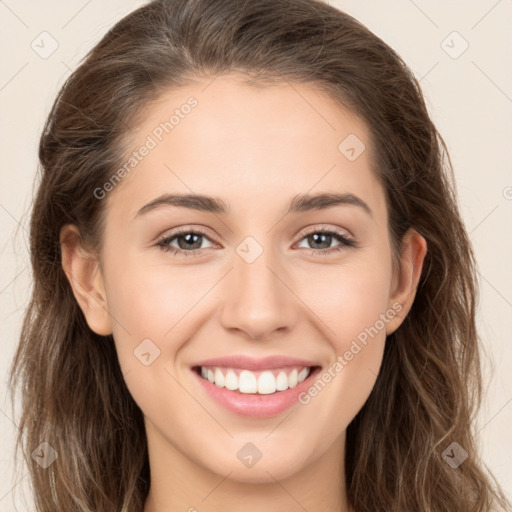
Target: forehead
pixel 247 143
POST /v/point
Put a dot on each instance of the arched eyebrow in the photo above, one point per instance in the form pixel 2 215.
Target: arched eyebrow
pixel 320 201
pixel 193 201
pixel 299 203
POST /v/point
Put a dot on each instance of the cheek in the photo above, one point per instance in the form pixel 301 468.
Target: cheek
pixel 149 304
pixel 352 300
pixel 149 299
pixel 144 306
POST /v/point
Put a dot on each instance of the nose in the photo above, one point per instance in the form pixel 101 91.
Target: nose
pixel 258 299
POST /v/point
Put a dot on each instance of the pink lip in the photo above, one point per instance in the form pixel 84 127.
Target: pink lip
pixel 249 363
pixel 252 404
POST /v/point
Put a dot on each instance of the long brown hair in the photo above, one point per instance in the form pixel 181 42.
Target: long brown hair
pixel 429 388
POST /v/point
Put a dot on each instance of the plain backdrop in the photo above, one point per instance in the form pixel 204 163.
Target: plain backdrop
pixel 460 50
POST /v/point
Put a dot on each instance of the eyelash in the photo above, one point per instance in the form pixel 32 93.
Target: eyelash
pixel 344 242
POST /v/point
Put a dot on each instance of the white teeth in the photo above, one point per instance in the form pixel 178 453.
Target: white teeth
pixel 263 383
pixel 231 380
pixel 266 383
pixel 292 379
pixel 247 382
pixel 281 381
pixel 219 378
pixel 303 374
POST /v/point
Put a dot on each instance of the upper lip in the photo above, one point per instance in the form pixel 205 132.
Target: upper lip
pixel 250 363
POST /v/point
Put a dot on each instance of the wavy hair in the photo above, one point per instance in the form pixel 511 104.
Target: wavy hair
pixel 429 388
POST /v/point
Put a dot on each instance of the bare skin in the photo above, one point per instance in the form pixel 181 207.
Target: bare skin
pixel 256 148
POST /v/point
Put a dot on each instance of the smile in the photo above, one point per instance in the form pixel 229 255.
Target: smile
pixel 255 393
pixel 263 382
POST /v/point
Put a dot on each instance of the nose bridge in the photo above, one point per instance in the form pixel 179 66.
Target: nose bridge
pixel 257 301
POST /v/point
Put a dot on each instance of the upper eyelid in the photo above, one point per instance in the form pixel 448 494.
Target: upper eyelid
pixel 180 232
pixel 318 227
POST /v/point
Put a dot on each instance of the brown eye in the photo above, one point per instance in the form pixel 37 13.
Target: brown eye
pixel 320 241
pixel 184 242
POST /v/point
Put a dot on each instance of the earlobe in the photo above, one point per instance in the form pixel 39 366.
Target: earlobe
pixel 405 283
pixel 86 280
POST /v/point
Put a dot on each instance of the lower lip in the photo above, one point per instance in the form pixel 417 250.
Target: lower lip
pixel 256 405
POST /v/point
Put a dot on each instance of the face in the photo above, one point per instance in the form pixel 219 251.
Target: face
pixel 280 282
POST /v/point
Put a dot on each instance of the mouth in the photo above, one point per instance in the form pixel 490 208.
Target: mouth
pixel 262 382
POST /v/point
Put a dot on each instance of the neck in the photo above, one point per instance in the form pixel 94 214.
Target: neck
pixel 179 484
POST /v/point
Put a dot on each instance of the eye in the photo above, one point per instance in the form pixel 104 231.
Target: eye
pixel 320 241
pixel 188 242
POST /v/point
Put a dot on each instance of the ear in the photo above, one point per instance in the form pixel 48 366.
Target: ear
pixel 405 279
pixel 84 274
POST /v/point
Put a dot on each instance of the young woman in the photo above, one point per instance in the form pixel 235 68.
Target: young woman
pixel 253 289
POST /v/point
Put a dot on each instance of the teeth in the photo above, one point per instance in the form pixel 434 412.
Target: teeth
pixel 266 383
pixel 247 382
pixel 219 378
pixel 292 379
pixel 231 380
pixel 303 374
pixel 281 381
pixel 263 383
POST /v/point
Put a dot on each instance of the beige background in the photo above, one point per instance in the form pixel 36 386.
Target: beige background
pixel 469 95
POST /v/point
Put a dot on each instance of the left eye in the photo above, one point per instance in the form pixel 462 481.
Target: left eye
pixel 325 238
pixel 189 242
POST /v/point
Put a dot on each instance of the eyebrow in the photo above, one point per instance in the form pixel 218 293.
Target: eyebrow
pixel 300 203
